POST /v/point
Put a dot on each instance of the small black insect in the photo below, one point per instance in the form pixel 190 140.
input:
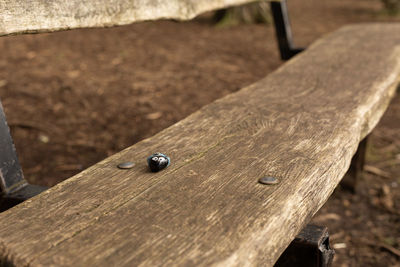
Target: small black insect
pixel 158 161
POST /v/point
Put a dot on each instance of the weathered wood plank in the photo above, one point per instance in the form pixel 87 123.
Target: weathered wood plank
pixel 31 16
pixel 301 124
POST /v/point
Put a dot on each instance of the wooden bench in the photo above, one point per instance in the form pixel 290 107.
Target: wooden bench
pixel 301 124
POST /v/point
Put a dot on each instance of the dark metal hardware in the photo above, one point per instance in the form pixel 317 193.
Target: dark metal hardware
pixel 14 188
pixel 126 165
pixel 10 170
pixel 268 180
pixel 283 30
pixel 25 192
pixel 349 181
pixel 310 248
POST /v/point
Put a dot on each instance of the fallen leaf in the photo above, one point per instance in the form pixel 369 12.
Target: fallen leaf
pixel 377 171
pixel 387 198
pixel 3 83
pixel 154 115
pixel 339 245
pixel 328 216
pixel 116 61
pixel 31 55
pixel 44 138
pixel 73 74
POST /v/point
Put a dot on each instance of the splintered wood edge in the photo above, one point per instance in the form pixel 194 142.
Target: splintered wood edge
pixel 34 16
pixel 301 124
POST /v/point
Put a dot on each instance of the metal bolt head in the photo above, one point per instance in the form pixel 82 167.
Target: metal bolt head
pixel 126 165
pixel 268 180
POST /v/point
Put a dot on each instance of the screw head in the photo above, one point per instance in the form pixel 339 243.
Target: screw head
pixel 126 165
pixel 268 180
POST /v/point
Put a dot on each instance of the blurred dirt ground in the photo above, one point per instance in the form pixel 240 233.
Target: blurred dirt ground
pixel 73 98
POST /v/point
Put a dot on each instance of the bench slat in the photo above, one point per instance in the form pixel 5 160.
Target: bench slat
pixel 22 16
pixel 301 124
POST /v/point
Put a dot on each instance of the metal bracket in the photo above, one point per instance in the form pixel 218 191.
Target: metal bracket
pixel 283 31
pixel 310 248
pixel 14 188
pixel 354 173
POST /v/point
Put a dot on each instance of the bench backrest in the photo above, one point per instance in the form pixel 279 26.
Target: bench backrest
pixel 18 16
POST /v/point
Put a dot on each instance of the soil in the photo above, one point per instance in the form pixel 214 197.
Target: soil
pixel 73 98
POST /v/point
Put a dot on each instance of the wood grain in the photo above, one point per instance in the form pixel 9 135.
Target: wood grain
pixel 31 16
pixel 301 124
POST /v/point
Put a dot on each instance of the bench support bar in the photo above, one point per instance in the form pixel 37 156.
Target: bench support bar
pixel 283 31
pixel 13 187
pixel 353 175
pixel 310 248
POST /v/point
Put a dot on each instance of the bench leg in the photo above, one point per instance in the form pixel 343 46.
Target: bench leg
pixel 283 31
pixel 310 248
pixel 13 187
pixel 354 173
